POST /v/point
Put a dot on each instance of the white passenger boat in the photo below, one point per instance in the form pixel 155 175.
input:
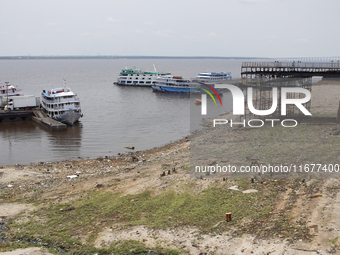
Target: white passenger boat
pixel 137 77
pixel 61 104
pixel 9 90
pixel 213 77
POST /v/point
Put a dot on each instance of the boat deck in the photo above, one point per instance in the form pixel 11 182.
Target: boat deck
pixel 53 125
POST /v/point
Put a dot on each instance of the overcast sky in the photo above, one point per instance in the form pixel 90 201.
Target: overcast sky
pixel 227 28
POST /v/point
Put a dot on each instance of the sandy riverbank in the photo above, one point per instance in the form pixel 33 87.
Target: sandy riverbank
pixel 286 216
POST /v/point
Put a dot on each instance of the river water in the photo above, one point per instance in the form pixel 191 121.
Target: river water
pixel 114 116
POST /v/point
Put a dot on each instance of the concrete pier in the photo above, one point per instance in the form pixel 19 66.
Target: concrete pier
pixel 15 115
pixel 53 125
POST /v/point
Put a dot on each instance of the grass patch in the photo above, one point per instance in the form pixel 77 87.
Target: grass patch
pixel 70 226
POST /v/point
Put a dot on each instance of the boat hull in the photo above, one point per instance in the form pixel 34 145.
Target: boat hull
pixel 196 90
pixel 69 118
pixel 132 84
pixel 167 89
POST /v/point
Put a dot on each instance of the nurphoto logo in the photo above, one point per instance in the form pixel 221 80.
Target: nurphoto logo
pixel 239 104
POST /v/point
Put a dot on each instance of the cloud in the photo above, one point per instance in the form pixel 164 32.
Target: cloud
pixel 85 34
pixel 98 34
pixel 139 31
pixel 252 1
pixel 162 33
pixel 302 40
pixel 212 35
pixel 190 37
pixel 52 24
pixel 272 36
pixel 149 23
pixel 110 19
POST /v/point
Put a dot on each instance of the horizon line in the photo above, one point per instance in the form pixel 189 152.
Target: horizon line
pixel 116 56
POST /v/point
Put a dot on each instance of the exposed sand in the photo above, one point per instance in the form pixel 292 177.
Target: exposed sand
pixel 12 209
pixel 27 251
pixel 320 213
pixel 9 174
pixel 325 99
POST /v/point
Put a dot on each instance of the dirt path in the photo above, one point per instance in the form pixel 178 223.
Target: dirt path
pixel 28 251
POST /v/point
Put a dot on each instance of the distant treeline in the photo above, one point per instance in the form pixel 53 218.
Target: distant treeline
pixel 117 57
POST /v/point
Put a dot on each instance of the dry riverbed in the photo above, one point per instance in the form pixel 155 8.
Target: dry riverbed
pixel 143 201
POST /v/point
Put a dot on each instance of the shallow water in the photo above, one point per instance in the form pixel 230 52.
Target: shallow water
pixel 114 116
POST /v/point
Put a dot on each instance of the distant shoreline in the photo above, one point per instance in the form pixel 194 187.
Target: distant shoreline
pixel 119 57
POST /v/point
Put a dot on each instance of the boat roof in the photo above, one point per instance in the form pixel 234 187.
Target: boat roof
pixel 174 77
pixel 153 72
pixel 59 92
pixel 215 74
pixel 131 70
pixel 139 71
pixel 9 86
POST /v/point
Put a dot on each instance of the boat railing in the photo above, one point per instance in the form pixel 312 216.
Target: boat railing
pixel 68 100
pixel 63 108
pixel 277 64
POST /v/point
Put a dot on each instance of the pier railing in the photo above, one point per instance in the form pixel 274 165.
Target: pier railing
pixel 305 65
pixel 291 69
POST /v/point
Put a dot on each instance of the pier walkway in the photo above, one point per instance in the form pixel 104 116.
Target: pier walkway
pixel 290 69
pixel 15 115
pixel 53 125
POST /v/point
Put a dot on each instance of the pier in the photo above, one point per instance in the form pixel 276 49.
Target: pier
pixel 292 69
pixel 9 116
pixel 36 115
pixel 53 125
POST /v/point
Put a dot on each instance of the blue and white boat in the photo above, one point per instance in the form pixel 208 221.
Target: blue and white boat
pixel 177 84
pixel 213 77
pixel 61 104
pixel 173 84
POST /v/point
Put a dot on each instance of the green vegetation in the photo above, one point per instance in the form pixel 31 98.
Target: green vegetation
pixel 71 226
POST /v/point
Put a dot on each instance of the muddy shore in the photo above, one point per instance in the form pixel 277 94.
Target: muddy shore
pixel 281 216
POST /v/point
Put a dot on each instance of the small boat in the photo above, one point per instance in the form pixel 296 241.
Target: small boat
pixel 137 77
pixel 61 104
pixel 213 77
pixel 9 90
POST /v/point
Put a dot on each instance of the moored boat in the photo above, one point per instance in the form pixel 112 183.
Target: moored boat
pixel 137 77
pixel 9 90
pixel 213 77
pixel 61 104
pixel 178 84
pixel 173 84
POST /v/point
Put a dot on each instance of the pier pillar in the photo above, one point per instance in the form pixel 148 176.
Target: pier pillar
pixel 338 116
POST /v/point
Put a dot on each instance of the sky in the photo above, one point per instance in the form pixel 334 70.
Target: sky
pixel 218 28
